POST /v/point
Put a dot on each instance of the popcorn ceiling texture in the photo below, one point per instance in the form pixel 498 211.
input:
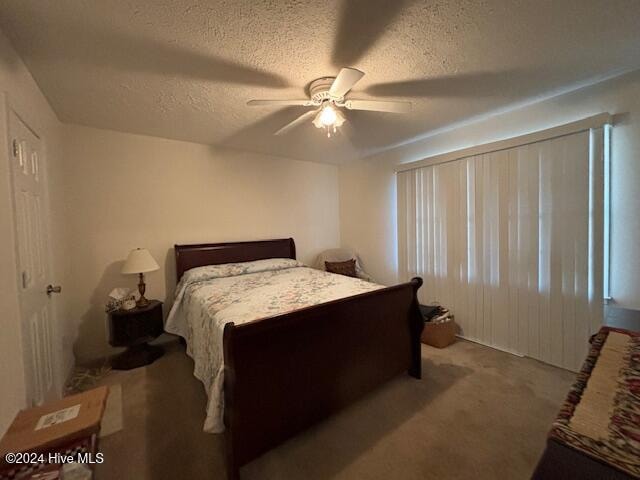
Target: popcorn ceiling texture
pixel 184 69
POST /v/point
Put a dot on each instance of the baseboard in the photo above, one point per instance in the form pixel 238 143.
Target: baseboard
pixel 512 352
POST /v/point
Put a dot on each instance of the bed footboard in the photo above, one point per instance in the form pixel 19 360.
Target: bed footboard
pixel 285 373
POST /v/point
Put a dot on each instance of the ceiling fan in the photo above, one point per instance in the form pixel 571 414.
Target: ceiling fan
pixel 327 97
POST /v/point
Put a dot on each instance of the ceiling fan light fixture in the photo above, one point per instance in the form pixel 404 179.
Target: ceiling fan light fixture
pixel 328 93
pixel 329 118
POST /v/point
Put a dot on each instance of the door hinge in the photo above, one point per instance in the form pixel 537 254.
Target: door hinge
pixel 15 147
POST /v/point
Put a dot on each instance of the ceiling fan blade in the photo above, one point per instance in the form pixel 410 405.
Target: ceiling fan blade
pixel 378 106
pixel 345 81
pixel 298 121
pixel 303 103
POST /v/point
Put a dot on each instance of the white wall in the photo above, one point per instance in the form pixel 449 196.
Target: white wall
pixel 368 217
pixel 126 191
pixel 368 221
pixel 26 99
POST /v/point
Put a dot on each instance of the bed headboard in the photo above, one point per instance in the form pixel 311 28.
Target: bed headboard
pixel 191 256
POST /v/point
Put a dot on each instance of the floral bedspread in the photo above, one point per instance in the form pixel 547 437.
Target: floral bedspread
pixel 209 297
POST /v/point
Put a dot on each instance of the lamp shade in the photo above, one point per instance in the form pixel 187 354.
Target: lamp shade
pixel 139 261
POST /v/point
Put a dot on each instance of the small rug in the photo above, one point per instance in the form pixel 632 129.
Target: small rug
pixel 112 420
pixel 601 415
pixel 84 379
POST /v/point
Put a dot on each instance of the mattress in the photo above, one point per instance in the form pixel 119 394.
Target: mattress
pixel 207 298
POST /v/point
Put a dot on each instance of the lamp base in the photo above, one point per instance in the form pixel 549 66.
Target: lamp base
pixel 142 301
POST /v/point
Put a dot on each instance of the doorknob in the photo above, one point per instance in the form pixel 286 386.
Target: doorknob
pixel 53 289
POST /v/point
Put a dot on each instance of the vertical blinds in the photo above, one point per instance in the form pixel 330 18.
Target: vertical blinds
pixel 511 241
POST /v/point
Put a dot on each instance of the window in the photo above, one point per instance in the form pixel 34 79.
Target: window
pixel 512 240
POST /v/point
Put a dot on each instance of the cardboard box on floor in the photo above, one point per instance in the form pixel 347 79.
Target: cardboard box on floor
pixel 30 431
pixel 439 335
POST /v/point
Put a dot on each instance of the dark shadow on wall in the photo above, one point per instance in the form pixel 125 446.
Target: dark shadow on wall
pixel 9 60
pixel 93 331
pixel 92 342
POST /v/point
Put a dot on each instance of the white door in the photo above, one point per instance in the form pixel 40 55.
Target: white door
pixel 30 208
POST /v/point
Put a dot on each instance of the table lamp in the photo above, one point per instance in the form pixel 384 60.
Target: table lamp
pixel 140 261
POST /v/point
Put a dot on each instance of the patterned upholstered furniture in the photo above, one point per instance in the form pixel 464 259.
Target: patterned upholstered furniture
pixel 597 432
pixel 342 255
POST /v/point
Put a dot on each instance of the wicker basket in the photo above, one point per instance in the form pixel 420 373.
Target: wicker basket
pixel 439 335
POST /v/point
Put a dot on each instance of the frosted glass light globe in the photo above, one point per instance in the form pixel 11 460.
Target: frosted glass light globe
pixel 328 116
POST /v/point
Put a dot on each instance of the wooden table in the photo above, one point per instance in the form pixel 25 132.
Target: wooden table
pixel 133 329
pixel 76 435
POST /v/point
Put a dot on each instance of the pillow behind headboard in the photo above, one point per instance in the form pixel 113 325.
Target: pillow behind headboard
pixel 347 268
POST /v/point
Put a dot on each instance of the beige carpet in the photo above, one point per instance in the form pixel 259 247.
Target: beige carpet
pixel 85 378
pixel 477 413
pixel 113 418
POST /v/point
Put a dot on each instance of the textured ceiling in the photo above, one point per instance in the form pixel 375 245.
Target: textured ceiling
pixel 185 69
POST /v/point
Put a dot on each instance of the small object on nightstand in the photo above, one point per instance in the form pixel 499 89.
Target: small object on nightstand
pixel 133 329
pixel 120 298
pixel 140 261
pixel 129 304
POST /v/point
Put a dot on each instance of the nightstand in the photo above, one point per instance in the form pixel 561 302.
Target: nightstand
pixel 133 329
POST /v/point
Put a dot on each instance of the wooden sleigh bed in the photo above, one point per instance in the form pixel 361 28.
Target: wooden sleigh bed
pixel 287 372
